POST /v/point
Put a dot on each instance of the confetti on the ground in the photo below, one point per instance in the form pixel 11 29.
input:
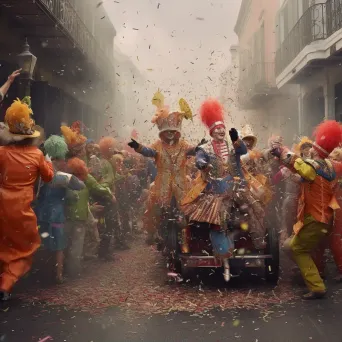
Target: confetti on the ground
pixel 138 282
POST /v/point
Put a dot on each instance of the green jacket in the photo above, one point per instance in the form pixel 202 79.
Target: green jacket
pixel 107 174
pixel 77 201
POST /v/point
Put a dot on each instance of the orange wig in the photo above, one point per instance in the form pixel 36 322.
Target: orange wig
pixel 106 144
pixel 78 168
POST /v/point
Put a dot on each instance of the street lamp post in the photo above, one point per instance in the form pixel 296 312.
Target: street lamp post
pixel 27 62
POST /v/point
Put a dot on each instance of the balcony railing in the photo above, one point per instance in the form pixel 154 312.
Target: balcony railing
pixel 258 80
pixel 317 23
pixel 66 16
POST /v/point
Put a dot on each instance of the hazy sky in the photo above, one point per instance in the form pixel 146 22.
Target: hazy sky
pixel 180 46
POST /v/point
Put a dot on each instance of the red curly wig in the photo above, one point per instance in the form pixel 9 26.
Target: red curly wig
pixel 78 168
pixel 328 136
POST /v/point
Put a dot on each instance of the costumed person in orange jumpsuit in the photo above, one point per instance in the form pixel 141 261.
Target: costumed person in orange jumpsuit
pixel 317 202
pixel 20 166
pixel 170 154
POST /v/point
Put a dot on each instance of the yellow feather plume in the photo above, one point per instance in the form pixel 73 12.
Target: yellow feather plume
pixel 158 99
pixel 303 140
pixel 185 109
pixel 18 113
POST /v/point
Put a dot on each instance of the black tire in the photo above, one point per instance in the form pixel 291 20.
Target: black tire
pixel 174 247
pixel 272 265
pixel 188 273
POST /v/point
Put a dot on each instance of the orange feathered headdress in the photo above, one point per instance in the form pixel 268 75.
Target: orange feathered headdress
pixel 106 144
pixel 72 138
pixel 19 121
pixel 328 136
pixel 78 168
pixel 212 114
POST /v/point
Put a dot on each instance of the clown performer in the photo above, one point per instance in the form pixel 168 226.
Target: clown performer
pixel 170 153
pixel 317 202
pixel 51 202
pixel 210 200
pixel 21 163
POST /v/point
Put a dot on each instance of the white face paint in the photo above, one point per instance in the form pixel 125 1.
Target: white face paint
pixel 219 134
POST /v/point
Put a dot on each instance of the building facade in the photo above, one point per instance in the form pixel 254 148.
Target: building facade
pixel 309 55
pixel 257 91
pixel 74 75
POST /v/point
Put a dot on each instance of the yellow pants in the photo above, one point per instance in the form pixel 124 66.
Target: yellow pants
pixel 302 246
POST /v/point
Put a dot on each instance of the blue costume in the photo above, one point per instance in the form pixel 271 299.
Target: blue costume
pixel 50 209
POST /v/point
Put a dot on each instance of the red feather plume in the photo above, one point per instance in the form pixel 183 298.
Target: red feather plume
pixel 211 111
pixel 78 127
pixel 328 135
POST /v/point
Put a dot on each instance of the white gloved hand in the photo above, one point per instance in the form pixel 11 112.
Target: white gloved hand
pixel 47 158
pixel 67 175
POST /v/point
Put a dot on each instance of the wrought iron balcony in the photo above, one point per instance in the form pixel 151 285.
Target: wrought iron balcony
pixel 63 13
pixel 317 23
pixel 256 82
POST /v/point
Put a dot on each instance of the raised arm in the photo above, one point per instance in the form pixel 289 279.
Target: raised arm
pixel 295 164
pixel 66 180
pixel 5 87
pixel 143 150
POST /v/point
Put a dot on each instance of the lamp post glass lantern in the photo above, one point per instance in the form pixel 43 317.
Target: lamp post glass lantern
pixel 27 62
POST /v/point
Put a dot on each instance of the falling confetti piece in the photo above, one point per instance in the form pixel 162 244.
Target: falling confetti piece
pixel 47 338
pixel 199 18
pixel 99 4
pixel 158 5
pixel 236 323
pixel 244 226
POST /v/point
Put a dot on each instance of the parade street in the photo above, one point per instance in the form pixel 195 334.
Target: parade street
pixel 131 299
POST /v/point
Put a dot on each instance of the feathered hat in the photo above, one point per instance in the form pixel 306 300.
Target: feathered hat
pixel 74 139
pixel 212 114
pixel 247 132
pixel 167 120
pixel 107 145
pixel 328 136
pixel 19 121
pixel 304 142
pixel 56 147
